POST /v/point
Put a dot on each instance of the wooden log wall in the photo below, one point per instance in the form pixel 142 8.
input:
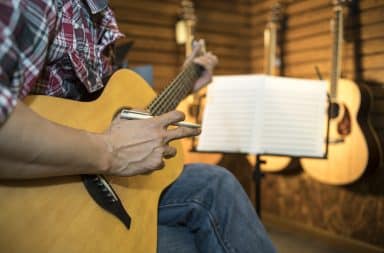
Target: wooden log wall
pixel 355 211
pixel 234 31
pixel 151 25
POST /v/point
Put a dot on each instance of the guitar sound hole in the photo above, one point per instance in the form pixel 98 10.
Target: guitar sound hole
pixel 333 110
pixel 344 127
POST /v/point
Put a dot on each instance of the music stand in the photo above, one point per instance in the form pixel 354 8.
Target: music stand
pixel 257 174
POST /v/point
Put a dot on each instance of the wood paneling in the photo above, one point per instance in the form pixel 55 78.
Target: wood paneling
pixel 150 24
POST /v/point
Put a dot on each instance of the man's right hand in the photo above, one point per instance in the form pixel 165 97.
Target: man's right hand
pixel 139 146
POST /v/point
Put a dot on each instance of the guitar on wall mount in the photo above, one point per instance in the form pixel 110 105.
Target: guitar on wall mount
pixel 193 104
pixel 272 64
pixel 352 143
pixel 58 215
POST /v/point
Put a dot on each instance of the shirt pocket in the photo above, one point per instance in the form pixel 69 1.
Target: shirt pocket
pixel 81 48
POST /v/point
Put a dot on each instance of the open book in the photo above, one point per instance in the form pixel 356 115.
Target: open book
pixel 260 114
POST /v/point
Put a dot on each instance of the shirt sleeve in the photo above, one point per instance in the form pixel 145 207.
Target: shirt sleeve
pixel 25 28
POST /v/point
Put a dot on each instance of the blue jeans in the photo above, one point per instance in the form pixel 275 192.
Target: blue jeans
pixel 207 210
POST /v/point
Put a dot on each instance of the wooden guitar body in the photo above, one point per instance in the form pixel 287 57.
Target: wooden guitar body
pixel 352 152
pixel 272 45
pixel 57 215
pixel 275 163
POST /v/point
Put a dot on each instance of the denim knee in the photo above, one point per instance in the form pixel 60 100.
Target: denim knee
pixel 219 178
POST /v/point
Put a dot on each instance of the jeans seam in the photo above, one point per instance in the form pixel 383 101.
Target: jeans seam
pixel 224 243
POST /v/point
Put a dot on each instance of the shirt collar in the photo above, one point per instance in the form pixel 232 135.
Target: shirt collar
pixel 97 6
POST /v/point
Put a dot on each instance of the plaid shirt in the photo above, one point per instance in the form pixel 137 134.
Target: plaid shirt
pixel 53 47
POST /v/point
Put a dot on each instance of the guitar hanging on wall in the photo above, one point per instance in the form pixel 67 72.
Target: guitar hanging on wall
pixel 193 104
pixel 352 145
pixel 273 66
pixel 185 27
pixel 185 34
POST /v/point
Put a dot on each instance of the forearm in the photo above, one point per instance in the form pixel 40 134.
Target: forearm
pixel 31 147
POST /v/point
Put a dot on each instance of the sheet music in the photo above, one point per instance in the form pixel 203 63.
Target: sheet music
pixel 262 114
pixel 227 115
pixel 294 117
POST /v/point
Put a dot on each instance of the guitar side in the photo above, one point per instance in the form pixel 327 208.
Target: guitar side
pixel 347 159
pixel 58 214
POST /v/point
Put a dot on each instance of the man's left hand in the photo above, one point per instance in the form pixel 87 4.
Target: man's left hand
pixel 207 60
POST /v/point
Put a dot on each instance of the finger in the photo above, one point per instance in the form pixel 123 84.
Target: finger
pixel 181 132
pixel 170 118
pixel 198 45
pixel 169 152
pixel 207 61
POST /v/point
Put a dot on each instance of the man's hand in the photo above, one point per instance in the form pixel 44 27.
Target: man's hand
pixel 207 60
pixel 139 146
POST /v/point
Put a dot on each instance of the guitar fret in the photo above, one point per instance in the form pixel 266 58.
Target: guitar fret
pixel 176 91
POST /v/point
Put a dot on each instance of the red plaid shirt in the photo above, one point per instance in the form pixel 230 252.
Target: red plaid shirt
pixel 53 47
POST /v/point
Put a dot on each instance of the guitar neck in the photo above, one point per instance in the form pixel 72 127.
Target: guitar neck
pixel 336 50
pixel 271 40
pixel 190 26
pixel 179 88
pixel 270 34
pixel 190 20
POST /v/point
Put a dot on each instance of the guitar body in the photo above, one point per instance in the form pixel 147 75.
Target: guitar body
pixel 275 163
pixel 273 31
pixel 57 215
pixel 349 155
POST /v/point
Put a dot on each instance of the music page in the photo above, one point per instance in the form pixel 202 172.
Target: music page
pixel 260 114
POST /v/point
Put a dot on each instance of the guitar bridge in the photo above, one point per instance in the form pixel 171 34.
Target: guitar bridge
pixel 104 195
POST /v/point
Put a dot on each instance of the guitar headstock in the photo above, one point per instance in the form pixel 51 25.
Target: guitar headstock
pixel 185 27
pixel 276 14
pixel 188 12
pixel 341 3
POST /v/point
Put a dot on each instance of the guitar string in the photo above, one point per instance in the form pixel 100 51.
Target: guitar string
pixel 156 104
pixel 179 91
pixel 182 90
pixel 176 90
pixel 163 101
pixel 190 76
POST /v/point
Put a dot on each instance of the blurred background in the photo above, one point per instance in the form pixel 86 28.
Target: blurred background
pixel 348 216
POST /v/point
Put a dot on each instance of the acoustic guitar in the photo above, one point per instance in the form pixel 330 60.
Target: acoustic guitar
pixel 58 215
pixel 272 65
pixel 352 144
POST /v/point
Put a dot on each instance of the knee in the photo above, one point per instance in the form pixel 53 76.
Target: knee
pixel 218 177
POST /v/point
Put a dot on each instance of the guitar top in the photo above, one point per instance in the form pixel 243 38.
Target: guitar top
pixel 47 214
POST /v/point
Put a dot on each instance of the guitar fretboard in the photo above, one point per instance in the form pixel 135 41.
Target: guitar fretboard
pixel 336 51
pixel 179 88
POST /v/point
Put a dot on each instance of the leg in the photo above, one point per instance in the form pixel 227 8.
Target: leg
pixel 210 203
pixel 175 239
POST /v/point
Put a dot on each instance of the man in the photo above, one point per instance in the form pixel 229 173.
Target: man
pixel 60 48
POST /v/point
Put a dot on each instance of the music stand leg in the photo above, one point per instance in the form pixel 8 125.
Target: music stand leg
pixel 257 176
